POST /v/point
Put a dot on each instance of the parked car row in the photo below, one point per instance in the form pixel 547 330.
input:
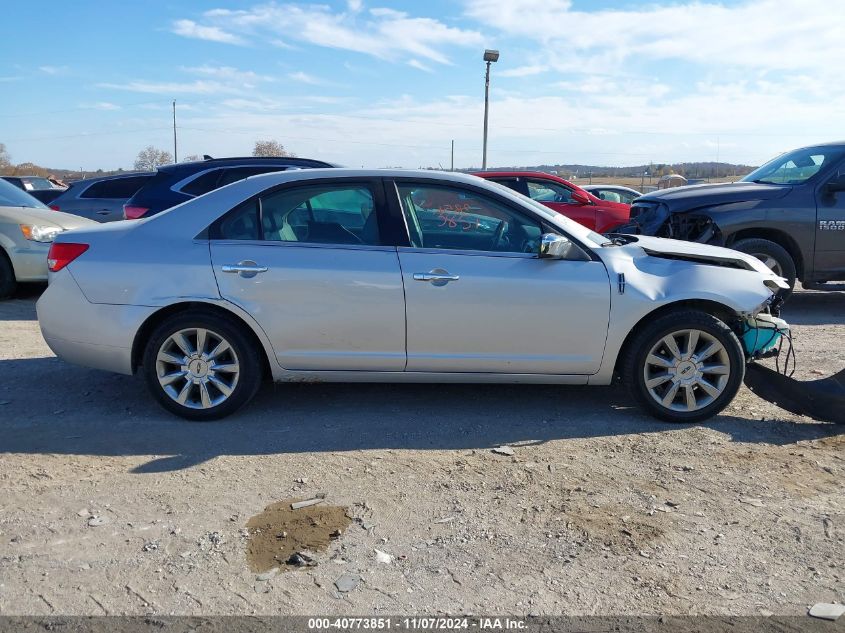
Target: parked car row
pixel 299 270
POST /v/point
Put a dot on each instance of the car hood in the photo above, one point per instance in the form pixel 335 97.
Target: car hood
pixel 717 193
pixel 703 254
pixel 44 217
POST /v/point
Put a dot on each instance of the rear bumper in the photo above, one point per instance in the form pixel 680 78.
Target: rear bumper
pixel 95 335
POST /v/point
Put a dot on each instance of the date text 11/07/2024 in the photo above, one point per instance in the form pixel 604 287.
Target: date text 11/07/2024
pixel 417 623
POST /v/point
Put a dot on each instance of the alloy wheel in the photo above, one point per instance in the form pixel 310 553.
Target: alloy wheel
pixel 687 370
pixel 197 368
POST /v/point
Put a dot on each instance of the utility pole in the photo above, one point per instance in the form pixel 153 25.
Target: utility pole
pixel 175 156
pixel 453 155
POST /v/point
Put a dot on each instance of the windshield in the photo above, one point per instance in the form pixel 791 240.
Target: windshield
pixel 11 196
pixel 795 168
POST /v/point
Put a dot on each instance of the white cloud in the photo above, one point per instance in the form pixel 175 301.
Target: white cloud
pixel 773 35
pixel 198 87
pixel 415 63
pixel 523 71
pixel 382 33
pixel 226 73
pixel 53 70
pixel 189 28
pixel 101 105
pixel 305 78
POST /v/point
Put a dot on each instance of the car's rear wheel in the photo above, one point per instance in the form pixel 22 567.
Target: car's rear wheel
pixel 8 283
pixel 201 366
pixel 686 366
pixel 774 256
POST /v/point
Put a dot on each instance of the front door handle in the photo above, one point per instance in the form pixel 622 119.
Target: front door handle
pixel 437 277
pixel 246 268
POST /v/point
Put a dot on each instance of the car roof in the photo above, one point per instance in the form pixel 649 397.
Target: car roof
pixel 126 174
pixel 208 163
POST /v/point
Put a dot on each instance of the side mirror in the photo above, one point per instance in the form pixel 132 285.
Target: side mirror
pixel 554 246
pixel 836 184
pixel 580 198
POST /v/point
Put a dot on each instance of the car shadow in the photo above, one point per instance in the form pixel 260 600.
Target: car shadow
pixel 50 407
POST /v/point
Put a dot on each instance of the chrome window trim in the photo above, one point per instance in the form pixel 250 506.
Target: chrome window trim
pixel 467 252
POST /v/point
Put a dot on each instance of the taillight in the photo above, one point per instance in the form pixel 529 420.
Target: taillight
pixel 63 253
pixel 55 207
pixel 134 213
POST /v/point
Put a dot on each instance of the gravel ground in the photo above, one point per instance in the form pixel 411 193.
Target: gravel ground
pixel 111 506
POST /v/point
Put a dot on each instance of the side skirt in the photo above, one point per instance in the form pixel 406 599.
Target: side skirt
pixel 427 377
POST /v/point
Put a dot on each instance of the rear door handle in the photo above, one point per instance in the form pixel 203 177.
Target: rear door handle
pixel 246 268
pixel 437 277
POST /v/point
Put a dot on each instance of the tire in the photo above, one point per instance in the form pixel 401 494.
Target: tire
pixel 711 390
pixel 8 283
pixel 774 256
pixel 230 379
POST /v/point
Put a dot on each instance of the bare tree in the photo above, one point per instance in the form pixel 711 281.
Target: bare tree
pixel 5 158
pixel 149 158
pixel 270 147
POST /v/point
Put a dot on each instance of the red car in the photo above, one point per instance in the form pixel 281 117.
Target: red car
pixel 564 197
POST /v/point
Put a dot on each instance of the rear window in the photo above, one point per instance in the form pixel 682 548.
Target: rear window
pixel 122 188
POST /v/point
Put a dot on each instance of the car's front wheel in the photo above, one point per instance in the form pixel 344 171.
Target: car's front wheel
pixel 201 366
pixel 686 366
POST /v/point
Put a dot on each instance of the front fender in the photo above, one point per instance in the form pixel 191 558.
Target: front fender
pixel 652 283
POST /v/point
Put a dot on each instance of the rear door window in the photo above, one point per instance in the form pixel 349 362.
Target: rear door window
pixel 318 214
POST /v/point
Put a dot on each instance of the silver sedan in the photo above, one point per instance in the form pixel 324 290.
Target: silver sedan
pixel 398 276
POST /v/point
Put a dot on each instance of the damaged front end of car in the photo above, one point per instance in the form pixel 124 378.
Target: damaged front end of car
pixel 762 332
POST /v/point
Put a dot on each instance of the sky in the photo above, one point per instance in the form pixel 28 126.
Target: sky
pixel 87 84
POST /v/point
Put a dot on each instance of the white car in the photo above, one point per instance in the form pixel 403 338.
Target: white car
pixel 400 276
pixel 27 227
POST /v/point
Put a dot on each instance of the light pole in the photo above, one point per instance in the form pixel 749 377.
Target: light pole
pixel 490 56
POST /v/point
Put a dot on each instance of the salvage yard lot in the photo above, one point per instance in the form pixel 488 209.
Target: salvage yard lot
pixel 600 510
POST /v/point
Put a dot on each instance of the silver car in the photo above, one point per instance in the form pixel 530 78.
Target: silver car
pixel 27 228
pixel 397 276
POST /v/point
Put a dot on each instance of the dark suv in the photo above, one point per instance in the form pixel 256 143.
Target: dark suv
pixel 789 213
pixel 174 184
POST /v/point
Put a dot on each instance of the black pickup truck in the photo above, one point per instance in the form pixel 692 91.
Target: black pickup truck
pixel 789 213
